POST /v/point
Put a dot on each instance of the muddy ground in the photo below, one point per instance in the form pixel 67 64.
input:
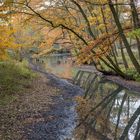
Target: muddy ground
pixel 44 111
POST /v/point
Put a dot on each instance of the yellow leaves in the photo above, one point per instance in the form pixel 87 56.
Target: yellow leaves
pixel 101 27
pixel 7 41
pixel 102 1
pixel 3 56
pixel 92 20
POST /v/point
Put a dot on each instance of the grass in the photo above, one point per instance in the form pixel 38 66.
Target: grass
pixel 131 72
pixel 14 77
pixel 134 74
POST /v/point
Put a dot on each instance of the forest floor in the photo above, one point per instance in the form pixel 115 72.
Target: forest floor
pixel 44 111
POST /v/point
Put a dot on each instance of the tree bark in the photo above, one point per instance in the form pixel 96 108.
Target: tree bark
pixel 124 39
pixel 123 56
pixel 86 19
pixel 136 22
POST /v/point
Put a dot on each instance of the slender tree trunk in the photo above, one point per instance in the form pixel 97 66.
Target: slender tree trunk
pixel 117 69
pixel 135 14
pixel 106 29
pixel 136 22
pixel 124 39
pixel 138 46
pixel 115 50
pixel 123 56
pixel 119 115
pixel 130 123
pixel 115 58
pixel 86 19
pixel 137 130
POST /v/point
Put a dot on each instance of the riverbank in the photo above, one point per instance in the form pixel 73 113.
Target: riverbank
pixel 24 110
pixel 44 110
pixel 129 84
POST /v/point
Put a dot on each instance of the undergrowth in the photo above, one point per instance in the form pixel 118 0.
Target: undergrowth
pixel 134 74
pixel 14 77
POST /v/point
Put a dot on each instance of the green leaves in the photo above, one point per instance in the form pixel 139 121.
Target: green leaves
pixel 134 33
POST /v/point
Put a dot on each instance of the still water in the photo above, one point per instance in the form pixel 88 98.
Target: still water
pixel 106 111
pixel 60 65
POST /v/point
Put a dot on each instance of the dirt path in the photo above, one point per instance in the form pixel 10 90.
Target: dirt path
pixel 46 111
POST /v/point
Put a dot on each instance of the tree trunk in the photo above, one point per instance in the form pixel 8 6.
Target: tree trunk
pixel 86 19
pixel 123 56
pixel 136 22
pixel 135 14
pixel 124 39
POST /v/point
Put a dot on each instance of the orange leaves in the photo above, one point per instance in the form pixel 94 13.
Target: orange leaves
pixel 97 48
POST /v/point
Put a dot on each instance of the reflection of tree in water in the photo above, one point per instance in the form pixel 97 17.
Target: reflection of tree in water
pixel 106 110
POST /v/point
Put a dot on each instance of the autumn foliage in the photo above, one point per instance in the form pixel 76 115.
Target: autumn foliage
pixel 96 32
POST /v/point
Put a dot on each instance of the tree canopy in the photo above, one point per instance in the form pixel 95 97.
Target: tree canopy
pixel 104 33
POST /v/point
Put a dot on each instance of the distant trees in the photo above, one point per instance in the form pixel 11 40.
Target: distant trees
pixel 100 31
pixel 16 37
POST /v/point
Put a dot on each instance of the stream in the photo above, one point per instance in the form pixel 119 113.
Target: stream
pixel 103 111
pixel 62 115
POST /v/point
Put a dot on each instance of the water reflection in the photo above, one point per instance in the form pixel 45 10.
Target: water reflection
pixel 59 64
pixel 107 111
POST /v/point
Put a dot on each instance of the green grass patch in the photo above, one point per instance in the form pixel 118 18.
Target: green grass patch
pixel 14 77
pixel 134 74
